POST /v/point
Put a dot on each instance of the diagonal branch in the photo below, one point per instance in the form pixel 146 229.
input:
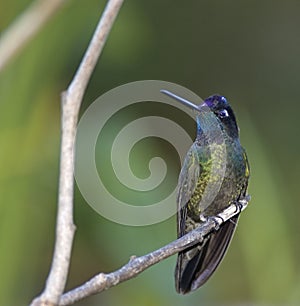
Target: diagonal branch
pixel 25 27
pixel 136 265
pixel 71 101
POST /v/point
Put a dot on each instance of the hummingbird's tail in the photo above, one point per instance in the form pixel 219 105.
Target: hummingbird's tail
pixel 196 264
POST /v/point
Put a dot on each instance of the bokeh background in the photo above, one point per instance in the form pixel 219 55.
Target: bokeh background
pixel 246 50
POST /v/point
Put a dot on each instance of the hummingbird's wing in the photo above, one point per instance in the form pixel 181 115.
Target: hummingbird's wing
pixel 196 264
pixel 188 178
pixel 187 182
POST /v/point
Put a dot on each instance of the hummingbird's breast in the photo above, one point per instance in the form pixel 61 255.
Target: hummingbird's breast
pixel 233 178
pixel 222 178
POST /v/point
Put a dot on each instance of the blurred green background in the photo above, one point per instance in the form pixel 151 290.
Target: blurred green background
pixel 246 50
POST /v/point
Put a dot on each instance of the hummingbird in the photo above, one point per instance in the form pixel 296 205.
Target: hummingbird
pixel 215 159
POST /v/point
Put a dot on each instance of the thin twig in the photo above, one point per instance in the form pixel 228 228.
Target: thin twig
pixel 136 265
pixel 71 101
pixel 25 27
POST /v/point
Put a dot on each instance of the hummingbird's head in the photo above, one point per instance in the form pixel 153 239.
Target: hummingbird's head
pixel 220 107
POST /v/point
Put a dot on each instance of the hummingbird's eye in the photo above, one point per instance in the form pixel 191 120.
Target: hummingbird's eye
pixel 223 114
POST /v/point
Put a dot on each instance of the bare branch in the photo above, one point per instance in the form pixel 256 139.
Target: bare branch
pixel 81 79
pixel 136 265
pixel 25 27
pixel 71 101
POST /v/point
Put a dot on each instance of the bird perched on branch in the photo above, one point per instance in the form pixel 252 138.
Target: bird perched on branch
pixel 214 175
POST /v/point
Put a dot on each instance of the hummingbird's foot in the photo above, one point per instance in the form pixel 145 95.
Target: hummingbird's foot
pixel 242 203
pixel 238 206
pixel 218 221
pixel 203 218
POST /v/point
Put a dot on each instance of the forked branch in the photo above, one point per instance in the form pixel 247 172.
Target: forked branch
pixel 71 101
pixel 136 265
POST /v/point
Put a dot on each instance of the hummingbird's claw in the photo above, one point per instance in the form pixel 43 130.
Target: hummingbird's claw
pixel 218 221
pixel 243 202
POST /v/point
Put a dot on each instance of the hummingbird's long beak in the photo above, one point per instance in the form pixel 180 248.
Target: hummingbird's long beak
pixel 182 100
